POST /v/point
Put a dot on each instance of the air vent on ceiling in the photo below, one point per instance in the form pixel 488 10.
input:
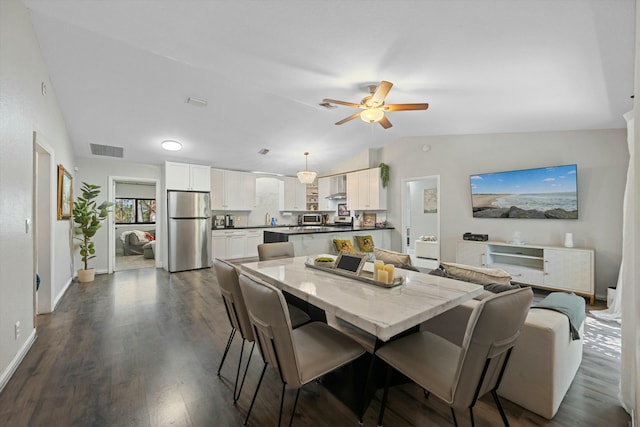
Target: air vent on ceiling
pixel 106 150
pixel 263 151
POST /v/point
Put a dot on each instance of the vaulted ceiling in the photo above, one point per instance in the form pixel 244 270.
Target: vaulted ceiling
pixel 122 70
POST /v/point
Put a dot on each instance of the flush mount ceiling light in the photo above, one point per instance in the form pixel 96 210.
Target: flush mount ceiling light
pixel 372 115
pixel 171 145
pixel 306 176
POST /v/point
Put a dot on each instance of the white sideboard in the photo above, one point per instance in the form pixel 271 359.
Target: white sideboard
pixel 549 267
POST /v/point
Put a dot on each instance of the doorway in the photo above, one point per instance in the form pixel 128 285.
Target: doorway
pixel 133 223
pixel 44 206
pixel 421 220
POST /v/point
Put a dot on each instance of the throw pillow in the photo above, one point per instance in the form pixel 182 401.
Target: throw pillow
pixel 343 245
pixel 496 288
pixel 396 259
pixel 479 275
pixel 365 243
pixel 149 236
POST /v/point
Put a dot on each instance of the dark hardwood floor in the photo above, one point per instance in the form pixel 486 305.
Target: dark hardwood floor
pixel 142 347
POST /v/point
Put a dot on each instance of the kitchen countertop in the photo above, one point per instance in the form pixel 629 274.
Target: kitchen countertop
pixel 313 229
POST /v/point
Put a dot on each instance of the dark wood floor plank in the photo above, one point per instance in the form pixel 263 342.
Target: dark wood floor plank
pixel 142 348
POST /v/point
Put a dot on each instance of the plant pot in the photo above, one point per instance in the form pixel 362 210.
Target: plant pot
pixel 86 275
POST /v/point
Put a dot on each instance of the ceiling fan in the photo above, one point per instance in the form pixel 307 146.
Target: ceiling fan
pixel 373 106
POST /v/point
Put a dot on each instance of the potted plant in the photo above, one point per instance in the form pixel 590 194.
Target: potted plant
pixel 88 217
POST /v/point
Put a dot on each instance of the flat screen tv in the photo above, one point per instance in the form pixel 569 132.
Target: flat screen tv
pixel 550 192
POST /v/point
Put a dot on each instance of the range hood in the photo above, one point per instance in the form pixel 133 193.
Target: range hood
pixel 337 187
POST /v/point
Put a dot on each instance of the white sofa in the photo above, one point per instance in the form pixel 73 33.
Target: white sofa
pixel 543 363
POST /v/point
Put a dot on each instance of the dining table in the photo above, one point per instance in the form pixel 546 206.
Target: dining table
pixel 383 312
pixel 369 313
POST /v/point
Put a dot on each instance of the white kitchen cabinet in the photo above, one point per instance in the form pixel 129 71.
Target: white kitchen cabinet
pixel 549 267
pixel 232 190
pixel 236 243
pixel 324 191
pixel 254 238
pixel 188 177
pixel 364 190
pixel 293 195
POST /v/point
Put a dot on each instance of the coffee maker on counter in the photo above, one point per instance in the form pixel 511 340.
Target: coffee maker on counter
pixel 228 221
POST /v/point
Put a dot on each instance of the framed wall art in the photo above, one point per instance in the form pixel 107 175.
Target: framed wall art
pixel 65 193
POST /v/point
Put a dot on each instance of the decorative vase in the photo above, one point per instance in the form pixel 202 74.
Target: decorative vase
pixel 86 275
pixel 568 240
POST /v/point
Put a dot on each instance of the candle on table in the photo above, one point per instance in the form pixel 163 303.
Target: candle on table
pixel 383 276
pixel 377 266
pixel 389 270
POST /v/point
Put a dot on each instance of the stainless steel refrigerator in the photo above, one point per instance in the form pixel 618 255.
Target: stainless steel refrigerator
pixel 189 217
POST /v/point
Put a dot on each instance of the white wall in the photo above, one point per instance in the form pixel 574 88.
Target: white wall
pixel 601 156
pixel 422 224
pixel 97 170
pixel 23 110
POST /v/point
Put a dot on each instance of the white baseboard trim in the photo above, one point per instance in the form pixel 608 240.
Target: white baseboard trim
pixel 61 294
pixel 8 373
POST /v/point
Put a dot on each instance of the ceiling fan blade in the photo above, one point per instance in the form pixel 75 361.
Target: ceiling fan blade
pixel 351 117
pixel 335 101
pixel 381 93
pixel 405 107
pixel 385 123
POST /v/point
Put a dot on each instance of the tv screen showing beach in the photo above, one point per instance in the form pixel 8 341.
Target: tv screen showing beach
pixel 549 192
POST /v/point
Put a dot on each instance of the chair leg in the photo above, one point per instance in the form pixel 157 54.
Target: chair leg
pixel 226 350
pixel 246 420
pixel 473 423
pixel 281 403
pixel 500 409
pixel 453 415
pixel 293 412
pixel 383 404
pixel 237 396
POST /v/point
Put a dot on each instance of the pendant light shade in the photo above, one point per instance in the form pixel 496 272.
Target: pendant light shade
pixel 306 176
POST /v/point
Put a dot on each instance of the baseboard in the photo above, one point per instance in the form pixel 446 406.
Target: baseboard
pixel 61 294
pixel 8 373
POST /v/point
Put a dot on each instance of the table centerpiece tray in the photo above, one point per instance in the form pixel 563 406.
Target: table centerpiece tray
pixel 364 276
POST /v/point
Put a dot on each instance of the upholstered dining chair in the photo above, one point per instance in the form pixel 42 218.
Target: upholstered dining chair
pixel 268 251
pixel 227 276
pixel 460 375
pixel 299 355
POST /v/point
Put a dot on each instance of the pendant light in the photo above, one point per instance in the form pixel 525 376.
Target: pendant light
pixel 306 176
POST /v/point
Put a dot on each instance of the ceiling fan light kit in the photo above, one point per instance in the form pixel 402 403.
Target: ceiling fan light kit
pixel 306 176
pixel 371 115
pixel 373 105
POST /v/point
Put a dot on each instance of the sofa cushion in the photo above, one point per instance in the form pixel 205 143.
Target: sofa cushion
pixel 479 275
pixel 396 259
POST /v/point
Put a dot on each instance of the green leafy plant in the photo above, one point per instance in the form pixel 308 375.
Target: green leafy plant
pixel 88 217
pixel 384 174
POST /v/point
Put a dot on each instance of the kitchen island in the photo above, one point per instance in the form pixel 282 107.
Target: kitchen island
pixel 311 240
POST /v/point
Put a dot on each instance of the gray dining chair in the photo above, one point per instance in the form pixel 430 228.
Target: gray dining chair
pixel 299 355
pixel 460 375
pixel 269 251
pixel 227 275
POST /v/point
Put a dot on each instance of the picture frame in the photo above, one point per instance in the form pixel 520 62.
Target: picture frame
pixel 369 220
pixel 350 262
pixel 430 200
pixel 342 209
pixel 65 193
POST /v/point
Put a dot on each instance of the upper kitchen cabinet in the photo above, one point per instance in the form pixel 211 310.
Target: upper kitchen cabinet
pixel 232 190
pixel 365 192
pixel 184 176
pixel 324 191
pixel 293 195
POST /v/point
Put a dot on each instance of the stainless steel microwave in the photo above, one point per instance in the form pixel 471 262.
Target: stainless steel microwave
pixel 310 219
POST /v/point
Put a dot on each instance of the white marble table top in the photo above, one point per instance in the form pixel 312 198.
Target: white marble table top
pixel 383 312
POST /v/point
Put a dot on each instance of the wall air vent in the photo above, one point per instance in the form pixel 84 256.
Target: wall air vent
pixel 107 150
